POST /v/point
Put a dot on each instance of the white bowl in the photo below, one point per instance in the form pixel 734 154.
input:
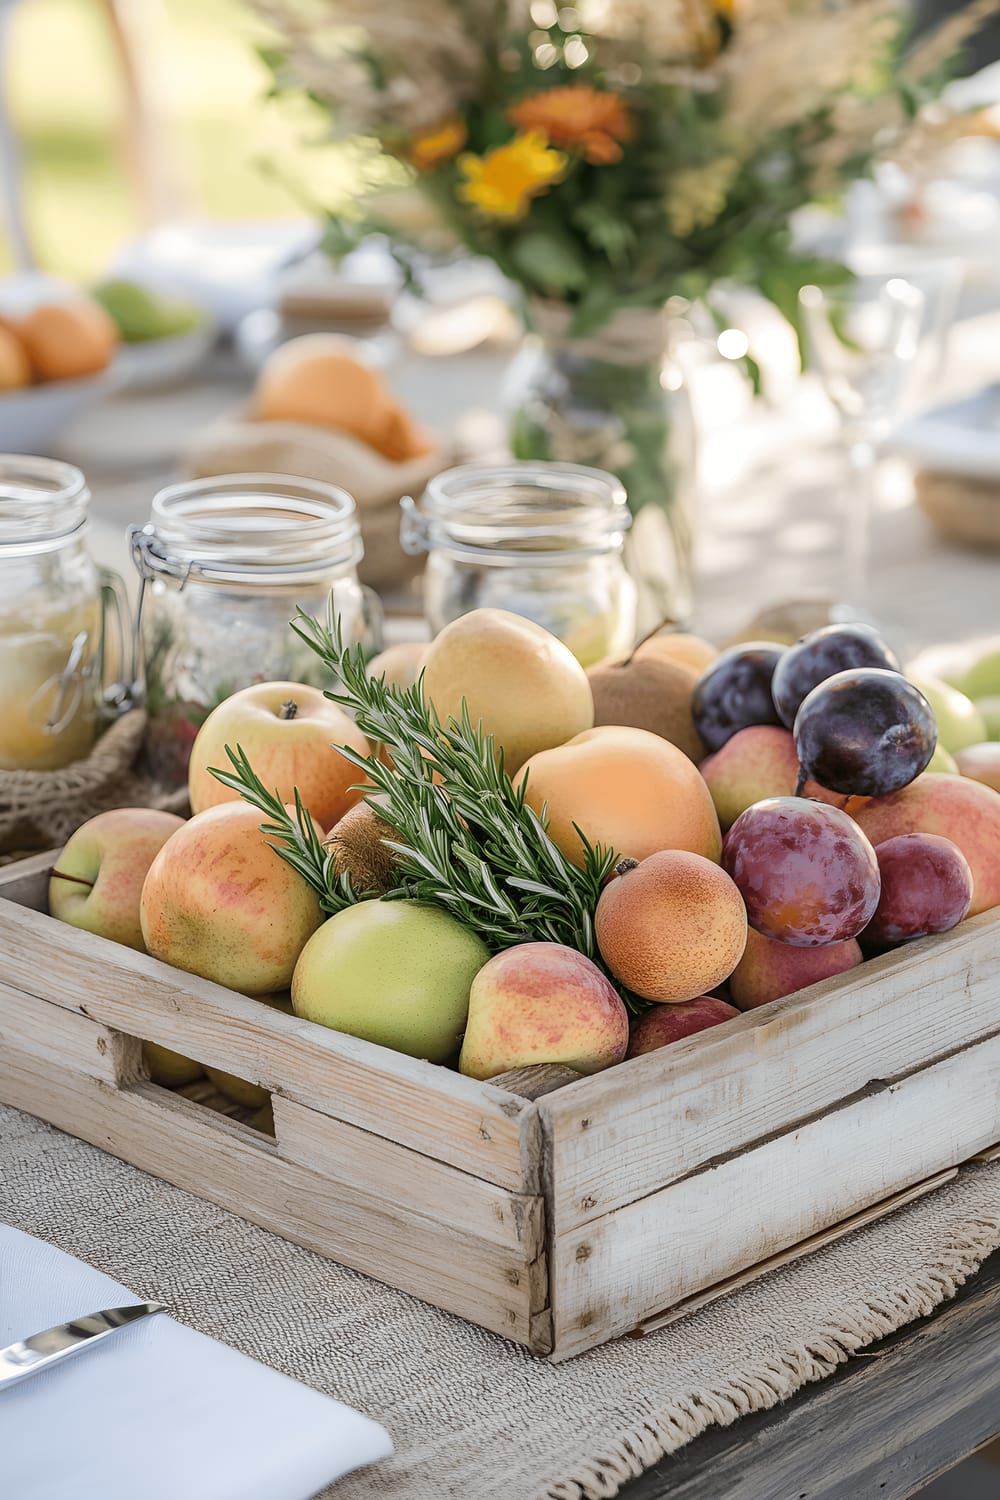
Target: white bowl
pixel 34 417
pixel 152 363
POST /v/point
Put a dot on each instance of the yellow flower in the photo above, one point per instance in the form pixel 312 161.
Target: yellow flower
pixel 503 182
pixel 587 120
pixel 440 144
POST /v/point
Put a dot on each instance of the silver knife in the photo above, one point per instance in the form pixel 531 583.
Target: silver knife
pixel 40 1350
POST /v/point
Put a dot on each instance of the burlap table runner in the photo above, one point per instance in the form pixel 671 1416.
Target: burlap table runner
pixel 472 1417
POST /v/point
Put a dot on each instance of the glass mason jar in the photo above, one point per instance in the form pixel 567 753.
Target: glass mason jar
pixel 55 603
pixel 616 399
pixel 541 540
pixel 224 564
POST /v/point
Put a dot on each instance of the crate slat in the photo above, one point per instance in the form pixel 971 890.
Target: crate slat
pixel 407 1180
pixel 470 1125
pixel 726 1087
pixel 27 881
pixel 235 1167
pixel 61 1036
pixel 612 1273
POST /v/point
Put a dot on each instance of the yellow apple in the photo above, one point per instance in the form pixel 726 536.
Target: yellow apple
pixel 289 732
pixel 98 878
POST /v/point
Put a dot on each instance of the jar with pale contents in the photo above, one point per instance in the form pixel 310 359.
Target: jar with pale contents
pixel 224 565
pixel 55 604
pixel 543 540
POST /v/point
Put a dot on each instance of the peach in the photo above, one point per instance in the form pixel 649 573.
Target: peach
pixel 626 789
pixel 769 970
pixel 519 682
pixel 980 763
pixel 671 927
pixel 664 1024
pixel 220 902
pixel 15 368
pixel 98 878
pixel 964 811
pixel 290 733
pixel 542 1003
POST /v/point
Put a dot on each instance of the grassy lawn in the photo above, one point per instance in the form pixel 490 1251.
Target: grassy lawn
pixel 232 154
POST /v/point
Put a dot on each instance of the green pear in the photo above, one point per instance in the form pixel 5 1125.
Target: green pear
pixel 170 1069
pixel 942 760
pixel 959 721
pixel 393 972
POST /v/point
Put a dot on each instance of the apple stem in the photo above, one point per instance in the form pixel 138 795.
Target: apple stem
pixel 76 879
pixel 662 625
pixel 624 865
pixel 288 710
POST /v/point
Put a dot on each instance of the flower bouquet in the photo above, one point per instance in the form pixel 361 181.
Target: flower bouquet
pixel 609 155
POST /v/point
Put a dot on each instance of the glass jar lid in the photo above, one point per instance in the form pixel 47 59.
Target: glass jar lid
pixel 42 502
pixel 505 511
pixel 250 529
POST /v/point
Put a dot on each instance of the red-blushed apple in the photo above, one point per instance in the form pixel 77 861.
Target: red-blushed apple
pixel 756 763
pixel 770 970
pixel 967 812
pixel 542 1003
pixel 663 1024
pixel 98 878
pixel 288 732
pixel 219 902
pixel 980 763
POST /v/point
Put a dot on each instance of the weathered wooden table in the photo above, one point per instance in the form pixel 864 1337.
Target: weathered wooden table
pixel 889 1421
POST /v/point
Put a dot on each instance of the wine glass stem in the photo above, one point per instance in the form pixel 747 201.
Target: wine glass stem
pixel 862 461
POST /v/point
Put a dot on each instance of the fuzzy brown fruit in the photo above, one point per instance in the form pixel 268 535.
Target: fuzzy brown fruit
pixel 648 691
pixel 359 851
pixel 671 928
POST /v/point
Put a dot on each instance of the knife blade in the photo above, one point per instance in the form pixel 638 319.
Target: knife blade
pixel 40 1350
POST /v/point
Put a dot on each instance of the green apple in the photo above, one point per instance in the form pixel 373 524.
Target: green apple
pixel 98 879
pixel 980 677
pixel 989 707
pixel 393 972
pixel 959 721
pixel 942 760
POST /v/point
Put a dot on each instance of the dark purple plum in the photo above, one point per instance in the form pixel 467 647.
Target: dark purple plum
pixel 926 887
pixel 821 654
pixel 865 733
pixel 806 872
pixel 735 692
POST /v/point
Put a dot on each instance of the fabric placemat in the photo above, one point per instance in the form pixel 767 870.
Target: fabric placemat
pixel 473 1417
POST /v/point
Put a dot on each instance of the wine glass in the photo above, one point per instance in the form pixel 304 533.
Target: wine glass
pixel 862 338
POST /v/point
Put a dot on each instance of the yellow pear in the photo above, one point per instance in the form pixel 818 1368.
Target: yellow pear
pixel 522 684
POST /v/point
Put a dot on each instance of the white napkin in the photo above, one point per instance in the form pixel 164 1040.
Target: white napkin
pixel 156 1409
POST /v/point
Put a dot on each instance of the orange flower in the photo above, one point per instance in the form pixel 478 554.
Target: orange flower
pixel 440 144
pixel 580 118
pixel 503 182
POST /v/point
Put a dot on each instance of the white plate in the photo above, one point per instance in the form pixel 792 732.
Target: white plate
pixel 33 418
pixel 152 363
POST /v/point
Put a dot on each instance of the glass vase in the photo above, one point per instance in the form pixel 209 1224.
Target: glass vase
pixel 616 400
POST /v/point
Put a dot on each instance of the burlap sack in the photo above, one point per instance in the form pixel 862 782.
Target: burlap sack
pixel 40 809
pixel 236 445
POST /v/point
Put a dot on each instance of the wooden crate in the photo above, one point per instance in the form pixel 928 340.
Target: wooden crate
pixel 560 1219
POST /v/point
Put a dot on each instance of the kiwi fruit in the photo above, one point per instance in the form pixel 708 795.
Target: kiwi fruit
pixel 358 850
pixel 648 691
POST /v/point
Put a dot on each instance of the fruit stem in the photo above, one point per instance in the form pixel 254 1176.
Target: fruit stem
pixel 662 625
pixel 288 710
pixel 800 785
pixel 624 865
pixel 76 879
